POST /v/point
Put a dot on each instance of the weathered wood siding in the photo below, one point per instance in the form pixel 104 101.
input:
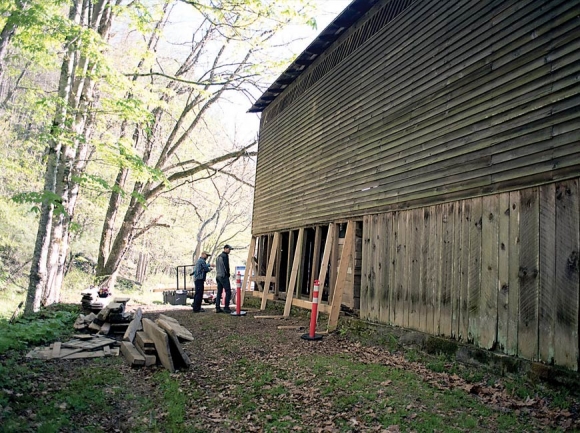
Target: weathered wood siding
pixel 500 271
pixel 423 102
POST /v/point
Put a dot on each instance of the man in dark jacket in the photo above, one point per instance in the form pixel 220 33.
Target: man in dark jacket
pixel 223 280
pixel 199 272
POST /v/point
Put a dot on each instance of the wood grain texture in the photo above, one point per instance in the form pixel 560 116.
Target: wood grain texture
pixel 503 271
pixel 345 264
pixel 489 272
pixel 270 270
pixel 529 274
pixel 514 280
pixel 567 274
pixel 294 273
pixel 547 306
pixel 474 277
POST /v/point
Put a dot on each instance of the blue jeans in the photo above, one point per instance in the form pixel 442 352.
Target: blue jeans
pixel 198 297
pixel 223 283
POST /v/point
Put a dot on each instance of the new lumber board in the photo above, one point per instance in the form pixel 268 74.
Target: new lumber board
pixel 294 273
pixel 345 264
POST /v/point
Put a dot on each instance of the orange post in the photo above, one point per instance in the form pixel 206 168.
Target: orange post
pixel 239 311
pixel 312 336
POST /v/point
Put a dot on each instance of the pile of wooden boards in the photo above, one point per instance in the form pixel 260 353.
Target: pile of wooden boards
pixel 146 341
pixel 81 346
pixel 113 319
pixel 143 342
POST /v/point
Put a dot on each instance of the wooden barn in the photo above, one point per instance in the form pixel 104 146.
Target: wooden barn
pixel 433 147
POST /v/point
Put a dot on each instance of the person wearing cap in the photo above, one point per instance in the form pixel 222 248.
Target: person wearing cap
pixel 223 280
pixel 199 272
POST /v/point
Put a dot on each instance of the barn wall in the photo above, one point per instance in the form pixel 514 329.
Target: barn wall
pixel 499 271
pixel 447 101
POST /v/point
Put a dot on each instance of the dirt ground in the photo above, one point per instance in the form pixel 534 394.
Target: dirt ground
pixel 250 376
pixel 227 347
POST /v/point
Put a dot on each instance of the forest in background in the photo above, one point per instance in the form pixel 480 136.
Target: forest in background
pixel 124 143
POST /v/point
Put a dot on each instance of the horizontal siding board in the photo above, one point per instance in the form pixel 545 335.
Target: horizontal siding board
pixel 484 109
pixel 375 89
pixel 382 161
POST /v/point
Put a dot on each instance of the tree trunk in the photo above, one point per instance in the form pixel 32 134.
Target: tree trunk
pixel 53 237
pixel 38 272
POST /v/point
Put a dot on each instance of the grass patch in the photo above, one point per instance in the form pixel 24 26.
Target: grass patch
pixel 43 327
pixel 173 403
pixel 29 398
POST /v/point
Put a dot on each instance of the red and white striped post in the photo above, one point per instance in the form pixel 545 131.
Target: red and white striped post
pixel 238 311
pixel 313 315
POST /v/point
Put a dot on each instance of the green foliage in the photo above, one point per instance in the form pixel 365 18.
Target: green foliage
pixel 39 198
pixel 39 328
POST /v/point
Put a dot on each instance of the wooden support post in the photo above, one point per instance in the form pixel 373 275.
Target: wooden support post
pixel 315 257
pixel 291 248
pixel 269 272
pixel 277 266
pixel 294 275
pixel 249 267
pixel 328 246
pixel 345 263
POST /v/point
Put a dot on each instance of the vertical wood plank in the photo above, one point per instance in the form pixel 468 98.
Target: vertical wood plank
pixel 249 268
pixel 548 289
pixel 425 263
pixel 489 272
pixel 474 276
pixel 323 271
pixel 276 276
pixel 291 288
pixel 503 271
pixel 382 274
pixel 439 210
pixel 528 274
pixel 392 247
pixel 514 269
pixel 334 263
pixel 415 270
pixel 364 287
pixel 400 272
pixel 345 263
pixel 291 249
pixel 316 258
pixel 567 274
pixel 409 237
pixel 385 301
pixel 375 272
pixel 464 288
pixel 446 268
pixel 456 276
pixel 270 270
pixel 432 259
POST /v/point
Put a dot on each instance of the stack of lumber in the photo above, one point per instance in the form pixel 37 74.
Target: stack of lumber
pixel 81 346
pixel 113 319
pixel 145 342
